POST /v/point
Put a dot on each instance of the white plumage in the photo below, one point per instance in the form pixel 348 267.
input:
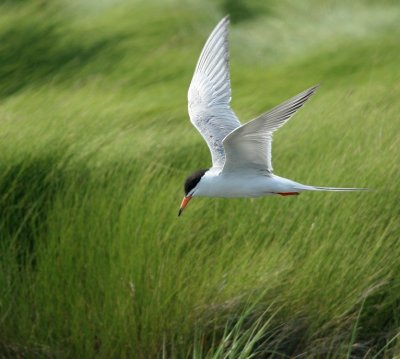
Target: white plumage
pixel 241 154
pixel 209 94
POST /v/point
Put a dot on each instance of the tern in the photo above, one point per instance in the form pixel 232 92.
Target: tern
pixel 241 154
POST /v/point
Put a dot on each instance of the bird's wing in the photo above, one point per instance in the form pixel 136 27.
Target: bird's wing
pixel 249 146
pixel 209 93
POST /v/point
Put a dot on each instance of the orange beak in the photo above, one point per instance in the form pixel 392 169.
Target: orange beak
pixel 184 203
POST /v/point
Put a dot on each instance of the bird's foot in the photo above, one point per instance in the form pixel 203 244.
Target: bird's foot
pixel 288 193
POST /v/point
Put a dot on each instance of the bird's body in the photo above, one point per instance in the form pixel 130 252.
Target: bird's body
pixel 246 184
pixel 241 154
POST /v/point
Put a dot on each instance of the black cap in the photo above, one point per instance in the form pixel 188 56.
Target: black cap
pixel 192 181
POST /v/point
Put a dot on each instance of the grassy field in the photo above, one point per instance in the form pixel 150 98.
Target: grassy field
pixel 95 144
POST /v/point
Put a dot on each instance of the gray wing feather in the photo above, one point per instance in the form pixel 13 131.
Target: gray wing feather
pixel 209 93
pixel 249 146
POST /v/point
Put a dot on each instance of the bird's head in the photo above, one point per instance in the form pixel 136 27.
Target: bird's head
pixel 190 187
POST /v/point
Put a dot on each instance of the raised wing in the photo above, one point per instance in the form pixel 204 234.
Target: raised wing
pixel 210 93
pixel 249 146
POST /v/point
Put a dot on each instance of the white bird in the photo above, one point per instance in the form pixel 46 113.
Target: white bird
pixel 241 154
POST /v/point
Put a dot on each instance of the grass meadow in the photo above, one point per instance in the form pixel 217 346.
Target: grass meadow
pixel 95 143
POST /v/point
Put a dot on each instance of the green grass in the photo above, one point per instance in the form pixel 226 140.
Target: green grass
pixel 95 145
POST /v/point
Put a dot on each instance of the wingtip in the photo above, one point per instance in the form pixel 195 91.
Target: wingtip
pixel 225 21
pixel 315 88
pixel 310 91
pixel 220 28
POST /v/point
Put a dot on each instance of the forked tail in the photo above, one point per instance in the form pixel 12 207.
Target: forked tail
pixel 335 189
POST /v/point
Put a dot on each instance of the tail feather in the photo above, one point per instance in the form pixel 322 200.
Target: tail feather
pixel 336 189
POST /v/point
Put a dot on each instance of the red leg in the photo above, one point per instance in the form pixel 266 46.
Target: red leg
pixel 288 193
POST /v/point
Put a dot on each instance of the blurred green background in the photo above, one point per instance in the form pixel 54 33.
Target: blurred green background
pixel 95 143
